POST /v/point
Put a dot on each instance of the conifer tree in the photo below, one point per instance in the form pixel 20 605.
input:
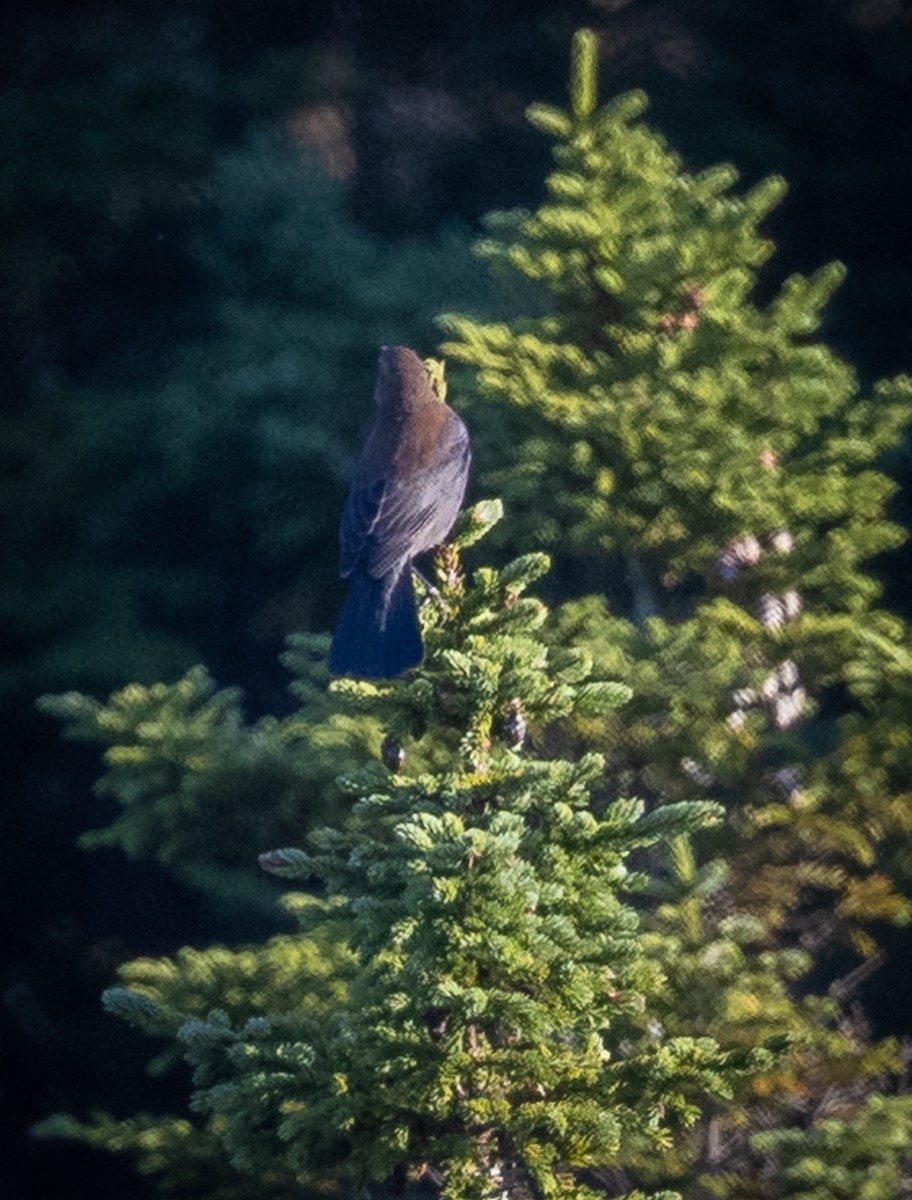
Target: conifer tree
pixel 198 786
pixel 715 458
pixel 711 469
pixel 484 1022
pixel 715 449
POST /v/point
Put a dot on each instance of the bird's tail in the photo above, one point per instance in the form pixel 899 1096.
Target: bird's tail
pixel 377 636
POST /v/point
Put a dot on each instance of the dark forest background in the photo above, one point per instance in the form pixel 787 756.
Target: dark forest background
pixel 212 214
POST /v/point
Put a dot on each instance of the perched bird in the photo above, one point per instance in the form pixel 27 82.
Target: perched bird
pixel 404 497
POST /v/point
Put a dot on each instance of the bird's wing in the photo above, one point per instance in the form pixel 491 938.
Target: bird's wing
pixel 398 518
pixel 358 519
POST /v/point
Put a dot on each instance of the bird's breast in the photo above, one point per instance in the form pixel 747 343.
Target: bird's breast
pixel 422 439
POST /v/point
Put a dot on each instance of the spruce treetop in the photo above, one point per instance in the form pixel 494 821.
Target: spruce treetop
pixel 667 409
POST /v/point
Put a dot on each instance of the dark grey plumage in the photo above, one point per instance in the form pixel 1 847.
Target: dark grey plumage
pixel 405 494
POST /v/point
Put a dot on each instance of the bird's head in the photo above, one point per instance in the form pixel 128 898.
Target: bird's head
pixel 404 380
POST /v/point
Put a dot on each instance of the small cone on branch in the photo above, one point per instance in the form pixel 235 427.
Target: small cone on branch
pixel 514 726
pixel 392 753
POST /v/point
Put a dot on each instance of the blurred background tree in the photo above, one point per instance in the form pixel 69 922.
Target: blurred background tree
pixel 150 392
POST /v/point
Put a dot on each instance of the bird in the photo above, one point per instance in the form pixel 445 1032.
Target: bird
pixel 406 492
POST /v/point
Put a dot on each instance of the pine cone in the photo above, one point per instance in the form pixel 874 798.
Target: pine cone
pixel 514 726
pixel 392 753
pixel 771 611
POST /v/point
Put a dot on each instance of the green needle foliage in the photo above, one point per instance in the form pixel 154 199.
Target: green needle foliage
pixel 470 1003
pixel 201 790
pixel 667 410
pixel 837 1159
pixel 524 994
pixel 300 980
pixel 725 976
pixel 709 465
